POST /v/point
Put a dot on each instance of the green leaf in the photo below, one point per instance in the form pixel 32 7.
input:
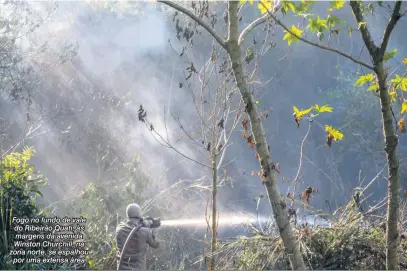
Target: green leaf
pixel 242 1
pixel 323 109
pixel 350 30
pixel 332 20
pixel 374 87
pixel 361 24
pixel 91 264
pixel 301 113
pixel 393 96
pixel 389 55
pixel 38 193
pixel 336 134
pixel 317 24
pixel 404 107
pixel 337 4
pixel 399 82
pixel 290 37
pixel 288 5
pixel 268 6
pixel 364 79
pixel 303 6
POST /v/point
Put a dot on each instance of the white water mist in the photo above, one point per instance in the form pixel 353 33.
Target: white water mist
pixel 224 220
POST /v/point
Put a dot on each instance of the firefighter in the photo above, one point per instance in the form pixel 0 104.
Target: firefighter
pixel 134 256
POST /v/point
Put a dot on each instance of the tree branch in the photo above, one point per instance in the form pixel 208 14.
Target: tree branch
pixel 395 17
pixel 316 44
pixel 367 38
pixel 196 19
pixel 168 145
pixel 252 26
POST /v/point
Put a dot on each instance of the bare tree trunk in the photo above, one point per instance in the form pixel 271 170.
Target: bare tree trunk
pixel 214 210
pixel 278 204
pixel 391 141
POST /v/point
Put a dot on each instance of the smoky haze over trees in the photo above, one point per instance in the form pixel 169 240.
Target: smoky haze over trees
pixel 74 74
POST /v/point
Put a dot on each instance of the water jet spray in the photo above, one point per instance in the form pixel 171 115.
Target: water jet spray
pixel 224 220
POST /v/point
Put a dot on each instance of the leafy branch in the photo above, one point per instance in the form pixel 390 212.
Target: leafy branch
pixel 297 35
pixel 332 133
pixel 395 17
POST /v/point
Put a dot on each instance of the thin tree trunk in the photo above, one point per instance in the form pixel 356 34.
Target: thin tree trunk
pixel 391 141
pixel 214 211
pixel 278 204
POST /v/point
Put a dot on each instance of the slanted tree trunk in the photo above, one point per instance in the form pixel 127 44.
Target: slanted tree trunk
pixel 390 136
pixel 278 204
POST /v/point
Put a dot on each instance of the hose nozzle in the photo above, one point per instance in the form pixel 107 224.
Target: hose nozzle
pixel 150 222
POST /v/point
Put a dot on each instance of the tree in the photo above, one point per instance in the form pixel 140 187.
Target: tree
pixel 385 89
pixel 19 185
pixel 217 113
pixel 18 23
pixel 20 72
pixel 233 46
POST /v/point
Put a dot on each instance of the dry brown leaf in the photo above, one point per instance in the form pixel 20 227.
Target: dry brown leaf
pixel 402 125
pixel 329 139
pixel 306 194
pixel 244 124
pixel 297 120
pixel 244 134
pixel 250 141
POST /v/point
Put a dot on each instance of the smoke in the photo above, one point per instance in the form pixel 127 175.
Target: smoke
pixel 128 56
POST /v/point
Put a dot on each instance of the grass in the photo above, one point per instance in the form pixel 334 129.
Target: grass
pixel 355 240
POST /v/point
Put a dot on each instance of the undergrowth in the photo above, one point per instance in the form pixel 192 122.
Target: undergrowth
pixel 355 240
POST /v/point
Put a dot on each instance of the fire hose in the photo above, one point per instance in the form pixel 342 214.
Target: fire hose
pixel 147 222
